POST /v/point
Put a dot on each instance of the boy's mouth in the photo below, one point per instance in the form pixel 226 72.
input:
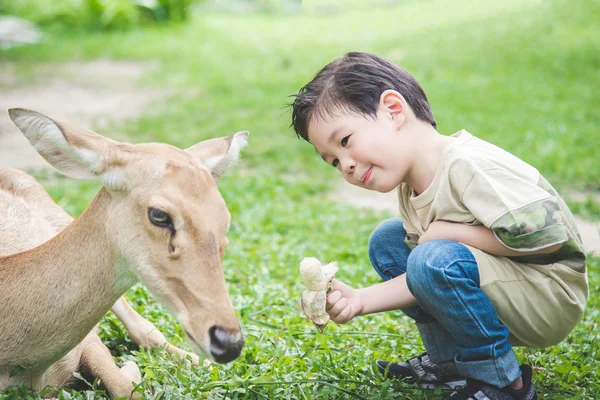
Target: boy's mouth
pixel 366 176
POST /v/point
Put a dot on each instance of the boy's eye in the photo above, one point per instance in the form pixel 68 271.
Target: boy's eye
pixel 335 163
pixel 344 141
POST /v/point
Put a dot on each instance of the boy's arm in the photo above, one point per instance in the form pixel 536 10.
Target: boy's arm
pixel 477 236
pixel 386 296
pixel 344 303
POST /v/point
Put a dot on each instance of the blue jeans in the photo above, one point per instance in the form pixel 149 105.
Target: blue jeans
pixel 455 318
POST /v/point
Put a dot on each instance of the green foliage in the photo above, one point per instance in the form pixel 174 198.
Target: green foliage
pixel 97 15
pixel 516 73
pixel 174 10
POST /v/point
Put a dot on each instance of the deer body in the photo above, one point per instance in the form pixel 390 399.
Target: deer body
pixel 159 218
pixel 31 218
pixel 58 278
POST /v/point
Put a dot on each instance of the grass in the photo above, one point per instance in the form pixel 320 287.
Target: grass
pixel 517 73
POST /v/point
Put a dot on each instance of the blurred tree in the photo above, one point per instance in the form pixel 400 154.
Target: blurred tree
pixel 98 14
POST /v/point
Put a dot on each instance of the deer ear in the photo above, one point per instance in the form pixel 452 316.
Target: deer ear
pixel 74 151
pixel 219 153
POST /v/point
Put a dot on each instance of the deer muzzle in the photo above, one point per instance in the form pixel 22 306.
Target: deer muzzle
pixel 225 346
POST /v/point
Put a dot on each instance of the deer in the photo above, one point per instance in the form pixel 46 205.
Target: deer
pixel 158 219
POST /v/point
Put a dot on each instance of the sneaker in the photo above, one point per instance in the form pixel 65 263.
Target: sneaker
pixel 476 390
pixel 423 372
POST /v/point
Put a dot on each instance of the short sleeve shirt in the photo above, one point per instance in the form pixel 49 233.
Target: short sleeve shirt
pixel 478 183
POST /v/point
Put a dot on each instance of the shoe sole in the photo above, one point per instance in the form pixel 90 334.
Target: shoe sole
pixel 450 385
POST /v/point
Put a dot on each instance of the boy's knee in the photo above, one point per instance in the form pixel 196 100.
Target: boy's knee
pixel 387 233
pixel 384 239
pixel 437 259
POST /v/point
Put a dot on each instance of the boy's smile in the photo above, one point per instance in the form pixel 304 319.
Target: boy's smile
pixel 366 176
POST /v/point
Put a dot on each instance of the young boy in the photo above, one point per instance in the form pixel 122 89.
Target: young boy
pixel 486 255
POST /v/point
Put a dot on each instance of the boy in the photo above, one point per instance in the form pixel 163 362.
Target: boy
pixel 486 254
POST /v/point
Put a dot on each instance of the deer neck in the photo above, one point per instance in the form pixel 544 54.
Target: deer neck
pixel 58 291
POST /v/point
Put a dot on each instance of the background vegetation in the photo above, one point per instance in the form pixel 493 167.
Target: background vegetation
pixel 96 15
pixel 522 74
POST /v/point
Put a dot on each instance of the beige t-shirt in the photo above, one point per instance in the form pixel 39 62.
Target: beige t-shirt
pixel 540 298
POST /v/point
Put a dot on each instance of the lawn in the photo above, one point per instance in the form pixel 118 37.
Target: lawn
pixel 522 74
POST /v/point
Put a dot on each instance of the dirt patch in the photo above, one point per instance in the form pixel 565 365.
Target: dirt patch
pixel 584 195
pixel 93 94
pixel 590 234
pixel 388 202
pixel 353 195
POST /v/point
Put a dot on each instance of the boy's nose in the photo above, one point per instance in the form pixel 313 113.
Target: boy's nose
pixel 347 166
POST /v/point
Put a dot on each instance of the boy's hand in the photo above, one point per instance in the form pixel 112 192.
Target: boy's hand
pixel 344 303
pixel 439 230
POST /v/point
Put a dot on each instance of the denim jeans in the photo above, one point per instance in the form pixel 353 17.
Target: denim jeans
pixel 455 318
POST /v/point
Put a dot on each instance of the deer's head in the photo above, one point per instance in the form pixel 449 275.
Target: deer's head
pixel 165 219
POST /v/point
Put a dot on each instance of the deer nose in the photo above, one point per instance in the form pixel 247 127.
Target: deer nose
pixel 224 346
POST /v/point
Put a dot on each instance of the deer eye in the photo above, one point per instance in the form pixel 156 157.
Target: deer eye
pixel 159 218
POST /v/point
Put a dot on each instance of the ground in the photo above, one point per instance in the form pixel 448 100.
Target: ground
pixel 516 73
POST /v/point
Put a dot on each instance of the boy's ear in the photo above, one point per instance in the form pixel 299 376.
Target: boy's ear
pixel 394 105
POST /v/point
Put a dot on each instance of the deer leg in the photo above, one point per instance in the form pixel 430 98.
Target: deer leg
pixel 145 334
pixel 97 360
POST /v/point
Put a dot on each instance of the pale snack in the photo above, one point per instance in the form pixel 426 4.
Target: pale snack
pixel 317 279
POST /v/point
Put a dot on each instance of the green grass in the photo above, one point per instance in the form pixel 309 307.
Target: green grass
pixel 520 74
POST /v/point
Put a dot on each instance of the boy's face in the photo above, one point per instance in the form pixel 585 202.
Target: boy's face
pixel 368 153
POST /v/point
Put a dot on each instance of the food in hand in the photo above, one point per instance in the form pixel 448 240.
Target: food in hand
pixel 317 279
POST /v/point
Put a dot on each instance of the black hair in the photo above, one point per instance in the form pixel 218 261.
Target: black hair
pixel 354 83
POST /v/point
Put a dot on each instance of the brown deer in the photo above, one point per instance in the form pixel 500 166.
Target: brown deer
pixel 159 219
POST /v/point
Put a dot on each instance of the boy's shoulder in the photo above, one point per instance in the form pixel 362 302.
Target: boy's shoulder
pixel 470 154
